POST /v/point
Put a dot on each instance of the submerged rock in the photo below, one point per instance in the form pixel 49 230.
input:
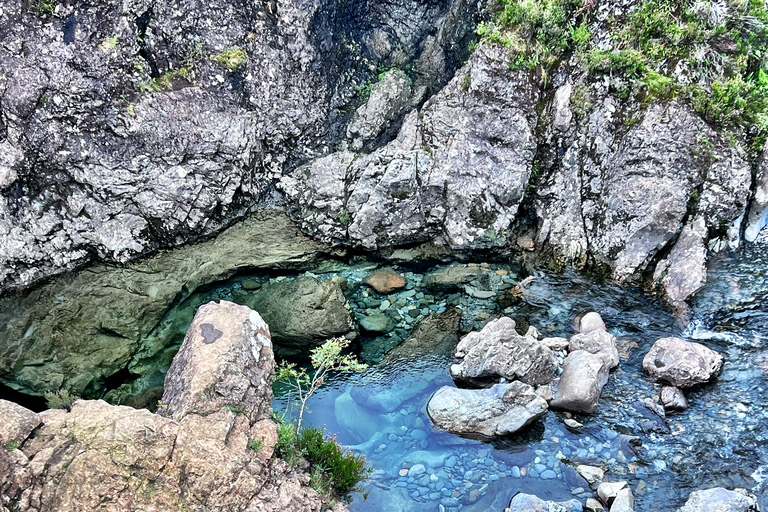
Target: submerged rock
pixel 303 312
pixel 582 381
pixel 502 409
pixel 226 360
pixel 499 351
pixel 452 277
pixel 720 500
pixel 522 502
pixel 385 280
pixel 681 363
pixel 436 334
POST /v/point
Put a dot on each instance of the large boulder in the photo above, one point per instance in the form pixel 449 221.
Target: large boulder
pixel 303 312
pixel 18 423
pixel 758 210
pixel 502 409
pixel 684 271
pixel 596 341
pixel 719 500
pixel 226 360
pixel 581 383
pixel 436 334
pixel 499 351
pixel 681 363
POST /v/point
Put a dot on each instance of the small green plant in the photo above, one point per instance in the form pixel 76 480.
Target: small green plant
pixel 256 445
pixel 232 59
pixel 12 445
pixel 325 358
pixel 108 43
pixel 165 81
pixel 236 410
pixel 44 7
pixel 334 468
pixel 466 82
pixel 61 399
pixel 344 218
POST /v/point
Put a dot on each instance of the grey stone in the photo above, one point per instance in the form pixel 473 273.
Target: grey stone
pixel 452 278
pixel 719 499
pixel 758 209
pixel 597 341
pixel 624 501
pixel 673 399
pixel 522 502
pixel 591 321
pixel 18 423
pixel 377 322
pixel 389 98
pixel 681 363
pixel 582 381
pixel 499 351
pixel 235 369
pixel 435 334
pixel 303 312
pixel 500 410
pixel 609 491
pixel 592 474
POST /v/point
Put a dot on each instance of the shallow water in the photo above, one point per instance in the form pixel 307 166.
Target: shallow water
pixel 719 441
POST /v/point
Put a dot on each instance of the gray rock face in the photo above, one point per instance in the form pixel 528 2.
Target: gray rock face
pixel 500 410
pixel 226 360
pixel 673 399
pixel 758 209
pixel 303 312
pixel 18 423
pixel 127 127
pixel 684 271
pixel 681 363
pixel 389 99
pixel 582 381
pixel 719 500
pixel 529 503
pixel 623 194
pixel 456 173
pixel 499 351
pixel 103 319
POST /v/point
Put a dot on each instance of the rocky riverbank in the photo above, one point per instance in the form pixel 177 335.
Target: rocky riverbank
pixel 210 446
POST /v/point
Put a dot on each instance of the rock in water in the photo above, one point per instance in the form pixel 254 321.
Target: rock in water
pixel 17 423
pixel 385 280
pixel 589 322
pixel 452 278
pixel 529 503
pixel 596 341
pixel 436 334
pixel 582 381
pixel 499 351
pixel 673 399
pixel 720 500
pixel 681 363
pixel 303 312
pixel 500 410
pixel 226 360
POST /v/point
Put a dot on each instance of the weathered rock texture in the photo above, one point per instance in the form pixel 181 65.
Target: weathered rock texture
pixel 456 172
pixel 499 351
pixel 500 410
pixel 120 459
pixel 18 423
pixel 582 381
pixel 84 327
pixel 127 126
pixel 226 359
pixel 529 503
pixel 681 363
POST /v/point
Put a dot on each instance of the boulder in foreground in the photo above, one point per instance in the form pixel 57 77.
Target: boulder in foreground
pixel 719 500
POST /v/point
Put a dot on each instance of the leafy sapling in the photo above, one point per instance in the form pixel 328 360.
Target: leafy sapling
pixel 325 358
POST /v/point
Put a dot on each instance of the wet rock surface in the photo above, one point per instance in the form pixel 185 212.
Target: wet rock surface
pixel 584 376
pixel 303 312
pixel 673 399
pixel 499 351
pixel 529 503
pixel 500 410
pixel 711 500
pixel 681 363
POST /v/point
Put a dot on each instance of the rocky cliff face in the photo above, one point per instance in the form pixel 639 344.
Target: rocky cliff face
pixel 128 126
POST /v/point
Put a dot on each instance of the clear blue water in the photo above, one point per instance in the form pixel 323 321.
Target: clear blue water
pixel 722 440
